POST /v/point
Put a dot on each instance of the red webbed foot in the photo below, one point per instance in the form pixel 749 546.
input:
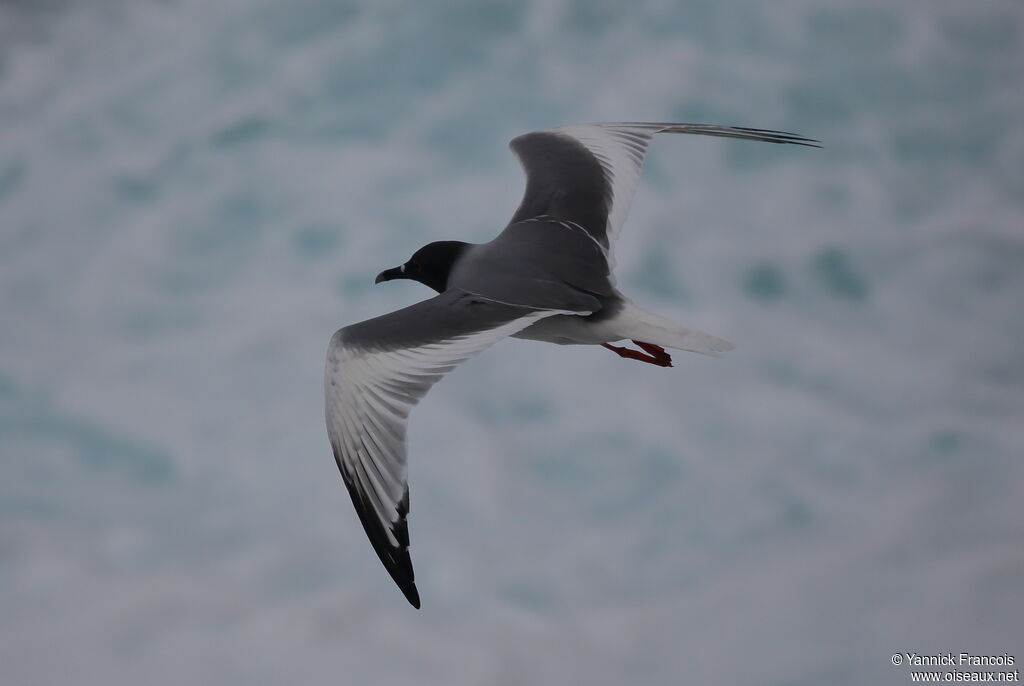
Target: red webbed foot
pixel 654 354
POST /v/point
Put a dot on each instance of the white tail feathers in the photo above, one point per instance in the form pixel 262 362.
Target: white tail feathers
pixel 638 324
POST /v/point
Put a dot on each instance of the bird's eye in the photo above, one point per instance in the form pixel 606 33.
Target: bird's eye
pixel 414 263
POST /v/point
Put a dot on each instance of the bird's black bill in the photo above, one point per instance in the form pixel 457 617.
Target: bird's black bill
pixel 389 274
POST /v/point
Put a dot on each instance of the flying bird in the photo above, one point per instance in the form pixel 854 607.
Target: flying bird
pixel 547 276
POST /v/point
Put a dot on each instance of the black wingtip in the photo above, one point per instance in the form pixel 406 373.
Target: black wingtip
pixel 394 556
pixel 412 595
pixel 743 132
pixel 773 136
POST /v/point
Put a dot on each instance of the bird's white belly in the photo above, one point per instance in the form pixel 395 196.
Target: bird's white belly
pixel 569 329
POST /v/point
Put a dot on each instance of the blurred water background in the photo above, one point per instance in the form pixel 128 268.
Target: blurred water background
pixel 194 196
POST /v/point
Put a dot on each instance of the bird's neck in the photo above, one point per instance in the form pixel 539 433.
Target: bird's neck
pixel 448 255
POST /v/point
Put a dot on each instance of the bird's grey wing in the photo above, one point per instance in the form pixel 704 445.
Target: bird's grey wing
pixel 377 370
pixel 584 176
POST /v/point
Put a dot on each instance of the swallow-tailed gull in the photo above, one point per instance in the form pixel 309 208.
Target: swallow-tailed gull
pixel 547 276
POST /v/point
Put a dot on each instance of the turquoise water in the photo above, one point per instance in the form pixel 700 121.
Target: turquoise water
pixel 193 198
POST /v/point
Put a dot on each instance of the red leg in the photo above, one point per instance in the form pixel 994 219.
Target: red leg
pixel 656 351
pixel 662 359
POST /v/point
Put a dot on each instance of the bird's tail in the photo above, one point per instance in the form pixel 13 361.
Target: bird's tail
pixel 636 323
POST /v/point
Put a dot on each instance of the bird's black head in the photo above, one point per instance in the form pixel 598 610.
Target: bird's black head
pixel 430 265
